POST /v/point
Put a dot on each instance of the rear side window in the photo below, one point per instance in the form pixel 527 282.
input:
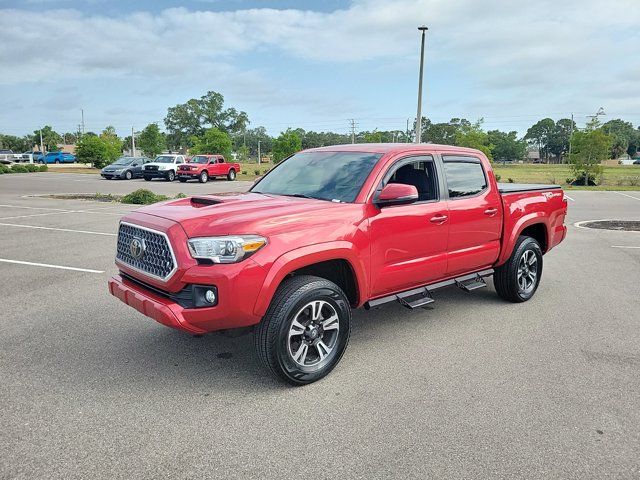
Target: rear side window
pixel 464 178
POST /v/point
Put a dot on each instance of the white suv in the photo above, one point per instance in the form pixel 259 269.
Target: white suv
pixel 164 166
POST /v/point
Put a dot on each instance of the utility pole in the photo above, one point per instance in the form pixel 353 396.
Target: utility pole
pixel 82 112
pixel 133 142
pixel 259 159
pixel 407 130
pixel 41 144
pixel 423 29
pixel 570 136
pixel 353 130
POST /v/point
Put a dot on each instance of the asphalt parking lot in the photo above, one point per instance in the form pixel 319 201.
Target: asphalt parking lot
pixel 474 388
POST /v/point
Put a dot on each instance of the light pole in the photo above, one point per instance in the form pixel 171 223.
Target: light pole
pixel 423 29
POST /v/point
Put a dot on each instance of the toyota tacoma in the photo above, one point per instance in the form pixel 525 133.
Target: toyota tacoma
pixel 329 230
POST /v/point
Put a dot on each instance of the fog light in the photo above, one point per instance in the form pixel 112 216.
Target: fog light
pixel 210 296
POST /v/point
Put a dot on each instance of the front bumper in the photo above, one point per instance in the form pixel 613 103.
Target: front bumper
pixel 184 174
pixel 109 175
pixel 237 287
pixel 156 173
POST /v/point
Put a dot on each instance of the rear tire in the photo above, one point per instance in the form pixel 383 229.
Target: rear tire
pixel 128 175
pixel 148 179
pixel 57 161
pixel 518 278
pixel 231 176
pixel 305 331
pixel 204 177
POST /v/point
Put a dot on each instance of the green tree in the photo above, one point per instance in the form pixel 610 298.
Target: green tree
pixel 443 133
pixel 589 147
pixel 50 138
pixel 539 134
pixel 92 149
pixel 472 136
pixel 112 144
pixel 192 118
pixel 250 138
pixel 506 146
pixel 151 140
pixel 213 141
pixel 559 140
pixel 17 144
pixel 623 136
pixel 70 138
pixel 373 137
pixel 288 143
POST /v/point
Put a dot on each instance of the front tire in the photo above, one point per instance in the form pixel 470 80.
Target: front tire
pixel 231 176
pixel 518 279
pixel 305 331
pixel 171 176
pixel 128 175
pixel 204 177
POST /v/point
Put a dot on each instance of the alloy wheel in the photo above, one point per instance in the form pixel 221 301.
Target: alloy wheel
pixel 527 271
pixel 313 333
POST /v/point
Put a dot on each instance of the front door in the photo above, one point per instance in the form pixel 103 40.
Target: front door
pixel 475 212
pixel 409 242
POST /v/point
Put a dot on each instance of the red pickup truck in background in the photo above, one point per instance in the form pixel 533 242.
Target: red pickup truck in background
pixel 328 230
pixel 204 167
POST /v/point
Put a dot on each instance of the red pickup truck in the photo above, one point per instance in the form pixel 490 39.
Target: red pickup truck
pixel 204 167
pixel 331 229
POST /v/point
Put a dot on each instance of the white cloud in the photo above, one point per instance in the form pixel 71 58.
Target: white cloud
pixel 507 49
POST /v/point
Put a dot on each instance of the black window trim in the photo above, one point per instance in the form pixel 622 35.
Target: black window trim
pixel 400 162
pixel 460 158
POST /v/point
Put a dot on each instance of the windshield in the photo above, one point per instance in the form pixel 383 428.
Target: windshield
pixel 123 161
pixel 199 159
pixel 164 159
pixel 333 176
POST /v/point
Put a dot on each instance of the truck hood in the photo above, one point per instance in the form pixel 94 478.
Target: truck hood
pixel 254 213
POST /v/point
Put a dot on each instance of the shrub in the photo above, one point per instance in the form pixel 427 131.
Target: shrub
pixel 180 195
pixel 634 181
pixel 32 167
pixel 244 172
pixel 510 180
pixel 257 171
pixel 569 180
pixel 498 177
pixel 18 169
pixel 4 169
pixel 43 168
pixel 143 196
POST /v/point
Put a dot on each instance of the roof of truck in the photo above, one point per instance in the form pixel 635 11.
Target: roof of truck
pixel 393 148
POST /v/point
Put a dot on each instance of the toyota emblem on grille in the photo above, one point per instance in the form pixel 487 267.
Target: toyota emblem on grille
pixel 137 248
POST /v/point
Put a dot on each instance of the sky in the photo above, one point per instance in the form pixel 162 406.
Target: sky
pixel 317 64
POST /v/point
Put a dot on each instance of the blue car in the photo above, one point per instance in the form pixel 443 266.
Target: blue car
pixel 55 157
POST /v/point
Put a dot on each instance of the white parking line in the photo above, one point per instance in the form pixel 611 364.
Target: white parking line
pixel 58 229
pixel 62 210
pixel 34 208
pixel 46 265
pixel 626 195
pixel 622 246
pixel 35 215
pixel 568 197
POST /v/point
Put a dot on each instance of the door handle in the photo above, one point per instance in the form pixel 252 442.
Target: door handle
pixel 438 219
pixel 491 211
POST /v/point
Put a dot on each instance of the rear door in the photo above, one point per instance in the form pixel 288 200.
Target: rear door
pixel 409 242
pixel 475 211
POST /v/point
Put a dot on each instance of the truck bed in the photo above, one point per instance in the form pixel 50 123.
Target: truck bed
pixel 524 187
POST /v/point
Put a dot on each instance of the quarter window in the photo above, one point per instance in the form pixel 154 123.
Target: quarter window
pixel 464 179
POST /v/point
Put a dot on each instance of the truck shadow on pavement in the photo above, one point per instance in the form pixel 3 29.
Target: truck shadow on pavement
pixel 163 357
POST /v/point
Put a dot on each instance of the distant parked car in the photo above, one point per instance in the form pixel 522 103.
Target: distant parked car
pixel 204 167
pixel 55 157
pixel 164 166
pixel 125 167
pixel 637 162
pixel 2 151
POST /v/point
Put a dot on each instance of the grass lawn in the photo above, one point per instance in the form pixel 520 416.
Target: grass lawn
pixel 621 177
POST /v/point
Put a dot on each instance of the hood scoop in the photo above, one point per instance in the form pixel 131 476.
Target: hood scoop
pixel 204 201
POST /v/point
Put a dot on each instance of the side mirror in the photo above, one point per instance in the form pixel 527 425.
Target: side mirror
pixel 397 194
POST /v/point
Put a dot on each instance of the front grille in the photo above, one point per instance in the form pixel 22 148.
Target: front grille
pixel 157 258
pixel 151 167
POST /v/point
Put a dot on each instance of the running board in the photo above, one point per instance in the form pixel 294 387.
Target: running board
pixel 421 296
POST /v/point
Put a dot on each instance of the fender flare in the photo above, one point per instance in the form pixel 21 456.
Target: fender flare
pixel 309 255
pixel 521 224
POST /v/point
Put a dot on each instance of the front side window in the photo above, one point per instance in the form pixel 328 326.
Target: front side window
pixel 464 179
pixel 164 159
pixel 421 174
pixel 332 176
pixel 199 159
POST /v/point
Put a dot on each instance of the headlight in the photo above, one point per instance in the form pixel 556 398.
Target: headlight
pixel 118 170
pixel 228 249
